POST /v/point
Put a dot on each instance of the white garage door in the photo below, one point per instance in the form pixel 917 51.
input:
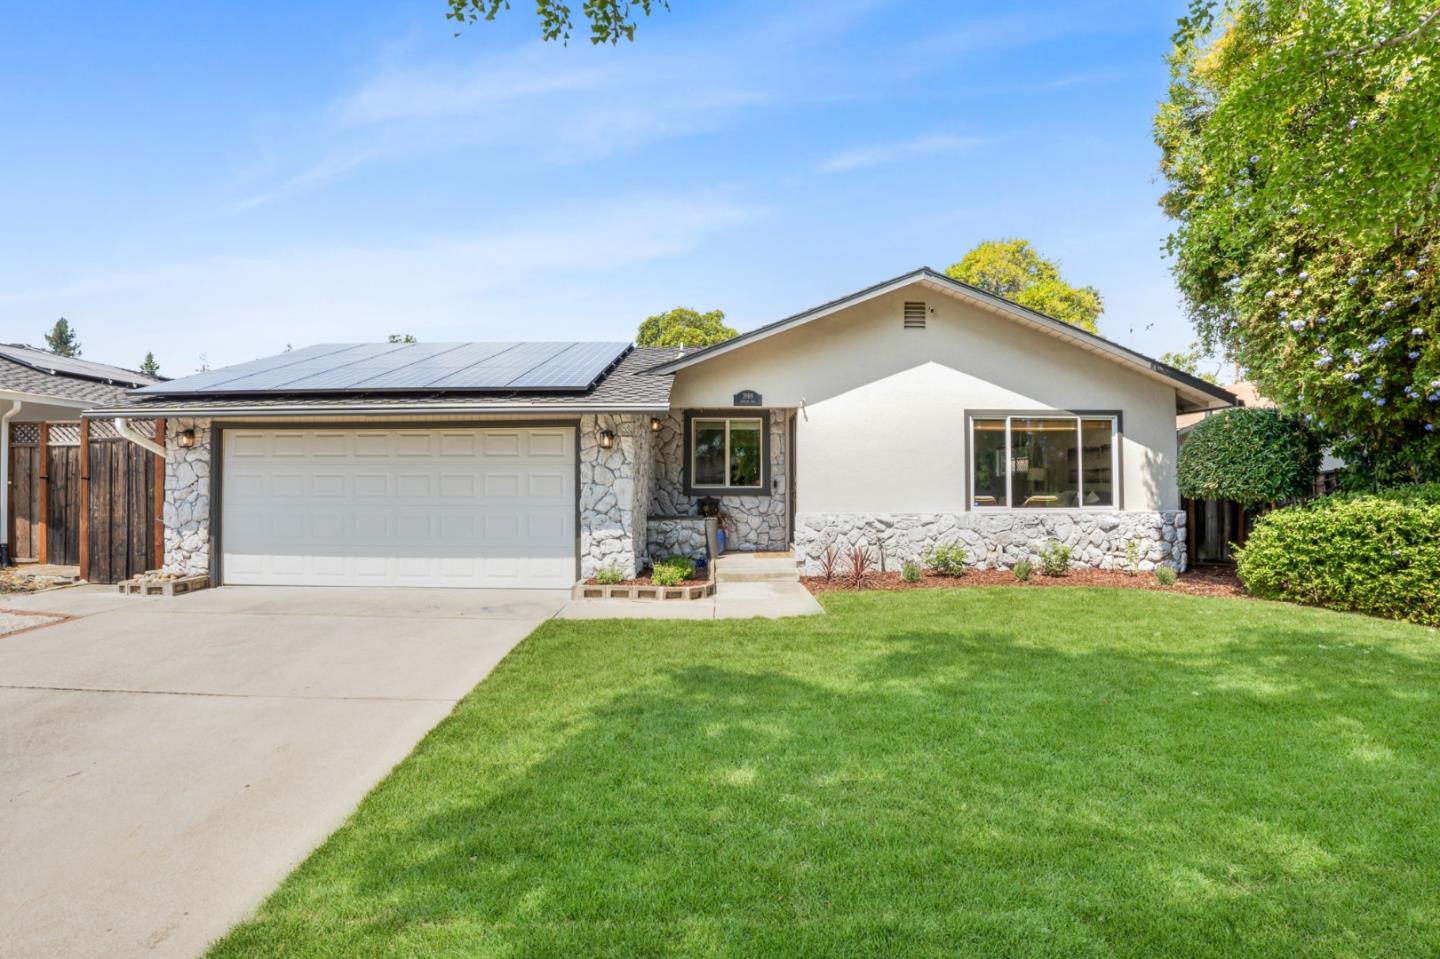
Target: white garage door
pixel 399 507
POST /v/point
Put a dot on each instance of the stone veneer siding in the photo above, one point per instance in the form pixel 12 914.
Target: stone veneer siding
pixel 996 540
pixel 757 522
pixel 187 498
pixel 614 493
pixel 676 536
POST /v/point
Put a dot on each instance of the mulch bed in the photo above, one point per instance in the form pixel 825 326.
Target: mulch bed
pixel 644 579
pixel 1201 581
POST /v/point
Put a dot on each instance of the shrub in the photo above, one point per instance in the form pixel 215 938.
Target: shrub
pixel 1022 570
pixel 910 572
pixel 946 559
pixel 1250 455
pixel 1417 494
pixel 667 575
pixel 830 562
pixel 608 576
pixel 861 560
pixel 684 564
pixel 1132 556
pixel 1054 558
pixel 1368 554
pixel 1165 576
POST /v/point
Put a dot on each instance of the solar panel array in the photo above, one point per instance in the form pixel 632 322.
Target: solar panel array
pixel 48 362
pixel 409 367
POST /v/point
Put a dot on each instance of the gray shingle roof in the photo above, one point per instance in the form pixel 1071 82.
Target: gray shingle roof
pixel 25 369
pixel 626 387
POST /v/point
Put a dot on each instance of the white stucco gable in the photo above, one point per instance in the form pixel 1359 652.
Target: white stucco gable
pixel 882 408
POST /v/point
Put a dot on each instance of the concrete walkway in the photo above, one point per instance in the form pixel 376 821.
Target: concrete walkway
pixel 164 763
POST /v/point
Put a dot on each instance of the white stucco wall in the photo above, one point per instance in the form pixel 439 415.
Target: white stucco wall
pixel 883 422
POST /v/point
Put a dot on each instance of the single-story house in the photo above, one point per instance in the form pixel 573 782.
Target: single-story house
pixel 913 412
pixel 44 494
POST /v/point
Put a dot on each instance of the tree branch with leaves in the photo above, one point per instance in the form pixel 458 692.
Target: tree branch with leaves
pixel 610 21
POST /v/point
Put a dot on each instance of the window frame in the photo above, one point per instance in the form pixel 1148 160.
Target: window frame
pixel 1117 474
pixel 758 416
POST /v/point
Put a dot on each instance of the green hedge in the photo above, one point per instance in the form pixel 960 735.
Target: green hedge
pixel 1249 455
pixel 1417 494
pixel 1376 554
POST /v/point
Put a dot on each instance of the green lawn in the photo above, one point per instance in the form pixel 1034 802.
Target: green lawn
pixel 986 772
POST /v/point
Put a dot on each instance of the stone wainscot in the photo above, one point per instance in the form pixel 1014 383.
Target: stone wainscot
pixel 998 540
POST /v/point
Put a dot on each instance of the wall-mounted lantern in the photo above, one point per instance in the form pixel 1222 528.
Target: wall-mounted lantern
pixel 186 439
pixel 654 424
pixel 607 439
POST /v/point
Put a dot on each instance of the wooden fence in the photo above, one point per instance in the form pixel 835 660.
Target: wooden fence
pixel 93 501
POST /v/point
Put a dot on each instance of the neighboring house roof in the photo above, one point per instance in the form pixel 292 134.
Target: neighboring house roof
pixel 1196 391
pixel 67 380
pixel 623 388
pixel 1245 394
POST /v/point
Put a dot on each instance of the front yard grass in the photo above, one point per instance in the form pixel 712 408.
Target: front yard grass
pixel 983 772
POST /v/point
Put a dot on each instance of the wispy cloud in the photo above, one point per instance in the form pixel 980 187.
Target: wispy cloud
pixel 883 153
pixel 317 175
pixel 535 102
pixel 460 285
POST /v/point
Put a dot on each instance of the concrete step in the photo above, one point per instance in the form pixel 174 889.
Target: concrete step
pixel 746 568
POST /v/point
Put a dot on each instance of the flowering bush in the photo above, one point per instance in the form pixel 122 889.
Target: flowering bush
pixel 1307 234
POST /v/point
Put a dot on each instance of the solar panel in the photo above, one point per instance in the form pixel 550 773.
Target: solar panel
pixel 210 380
pixel 48 362
pixel 409 367
pixel 581 364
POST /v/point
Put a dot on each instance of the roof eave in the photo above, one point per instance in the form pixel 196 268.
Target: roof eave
pixel 263 411
pixel 44 399
pixel 1206 395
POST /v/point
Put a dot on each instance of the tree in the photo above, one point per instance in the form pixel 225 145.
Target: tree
pixel 610 20
pixel 149 367
pixel 1251 455
pixel 402 338
pixel 1298 140
pixel 61 339
pixel 684 327
pixel 1012 269
pixel 1189 360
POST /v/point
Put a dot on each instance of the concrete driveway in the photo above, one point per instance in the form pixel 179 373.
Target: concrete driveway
pixel 165 762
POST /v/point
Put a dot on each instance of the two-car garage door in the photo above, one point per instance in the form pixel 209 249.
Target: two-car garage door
pixel 462 507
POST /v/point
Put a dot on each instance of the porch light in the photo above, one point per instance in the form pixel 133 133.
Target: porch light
pixel 607 439
pixel 654 424
pixel 186 439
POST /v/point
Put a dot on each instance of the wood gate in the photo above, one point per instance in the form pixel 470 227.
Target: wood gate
pixel 84 496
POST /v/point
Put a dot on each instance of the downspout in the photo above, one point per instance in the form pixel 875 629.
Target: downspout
pixel 123 427
pixel 5 419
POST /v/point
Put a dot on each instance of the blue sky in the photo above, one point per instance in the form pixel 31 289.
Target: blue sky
pixel 227 179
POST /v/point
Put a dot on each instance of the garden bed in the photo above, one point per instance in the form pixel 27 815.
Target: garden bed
pixel 644 587
pixel 1201 581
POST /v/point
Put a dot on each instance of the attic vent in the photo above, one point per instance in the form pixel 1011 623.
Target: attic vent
pixel 914 315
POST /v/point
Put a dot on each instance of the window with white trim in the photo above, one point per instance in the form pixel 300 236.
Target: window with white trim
pixel 727 452
pixel 1044 461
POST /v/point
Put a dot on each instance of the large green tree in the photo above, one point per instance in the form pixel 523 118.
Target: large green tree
pixel 1012 269
pixel 149 367
pixel 62 338
pixel 684 327
pixel 610 21
pixel 1300 140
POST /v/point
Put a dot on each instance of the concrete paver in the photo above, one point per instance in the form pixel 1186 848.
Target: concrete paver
pixel 731 601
